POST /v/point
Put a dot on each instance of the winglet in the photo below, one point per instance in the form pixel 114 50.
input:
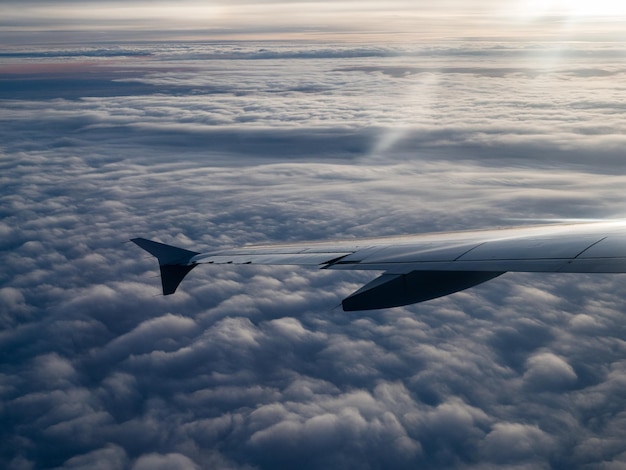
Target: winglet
pixel 173 262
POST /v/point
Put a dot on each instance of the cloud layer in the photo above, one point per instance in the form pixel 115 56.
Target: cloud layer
pixel 207 146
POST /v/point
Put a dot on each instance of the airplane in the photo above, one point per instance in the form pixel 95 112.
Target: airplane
pixel 422 267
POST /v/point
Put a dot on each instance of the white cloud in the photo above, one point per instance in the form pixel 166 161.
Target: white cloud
pixel 546 371
pixel 171 461
pixel 511 442
pixel 218 145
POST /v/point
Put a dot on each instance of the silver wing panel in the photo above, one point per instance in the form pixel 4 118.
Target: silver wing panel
pixel 408 253
pixel 565 252
pixel 421 267
pixel 556 247
pixel 613 246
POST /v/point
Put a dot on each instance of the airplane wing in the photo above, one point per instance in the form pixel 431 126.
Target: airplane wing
pixel 423 267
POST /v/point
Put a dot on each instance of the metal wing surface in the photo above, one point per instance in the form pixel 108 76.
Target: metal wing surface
pixel 423 267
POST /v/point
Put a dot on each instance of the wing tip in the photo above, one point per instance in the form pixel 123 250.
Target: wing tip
pixel 173 262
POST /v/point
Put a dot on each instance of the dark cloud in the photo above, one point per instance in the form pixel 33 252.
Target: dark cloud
pixel 255 367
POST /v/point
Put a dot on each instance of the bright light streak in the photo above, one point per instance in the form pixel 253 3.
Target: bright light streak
pixel 573 8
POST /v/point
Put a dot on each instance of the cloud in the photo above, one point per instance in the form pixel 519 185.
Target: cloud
pixel 246 108
pixel 109 457
pixel 169 461
pixel 546 371
pixel 254 367
pixel 509 442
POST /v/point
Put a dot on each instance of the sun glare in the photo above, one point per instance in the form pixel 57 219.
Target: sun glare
pixel 578 8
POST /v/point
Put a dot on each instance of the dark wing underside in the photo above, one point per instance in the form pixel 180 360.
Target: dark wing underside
pixel 395 290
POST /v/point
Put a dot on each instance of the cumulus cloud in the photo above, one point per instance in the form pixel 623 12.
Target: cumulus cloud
pixel 207 146
pixel 546 371
pixel 510 442
pixel 169 461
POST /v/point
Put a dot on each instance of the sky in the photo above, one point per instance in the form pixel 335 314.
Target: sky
pixel 33 20
pixel 209 125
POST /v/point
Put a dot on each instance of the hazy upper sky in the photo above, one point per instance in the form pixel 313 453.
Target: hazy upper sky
pixel 397 19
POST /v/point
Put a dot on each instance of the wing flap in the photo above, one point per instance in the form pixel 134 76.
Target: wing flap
pixel 577 265
pixel 304 259
pixel 421 252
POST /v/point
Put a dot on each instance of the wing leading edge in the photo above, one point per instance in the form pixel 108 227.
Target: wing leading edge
pixel 424 267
